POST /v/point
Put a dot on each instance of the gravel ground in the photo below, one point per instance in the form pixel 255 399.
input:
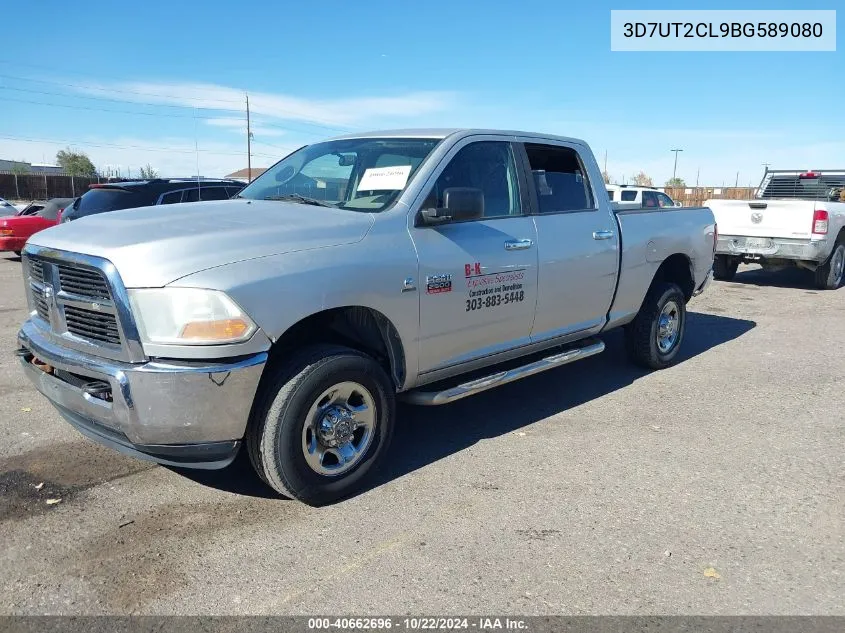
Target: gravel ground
pixel 713 487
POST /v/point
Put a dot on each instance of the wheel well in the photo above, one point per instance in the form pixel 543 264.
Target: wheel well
pixel 677 269
pixel 841 236
pixel 360 328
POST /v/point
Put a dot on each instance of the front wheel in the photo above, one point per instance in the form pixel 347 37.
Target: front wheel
pixel 829 275
pixel 654 337
pixel 322 422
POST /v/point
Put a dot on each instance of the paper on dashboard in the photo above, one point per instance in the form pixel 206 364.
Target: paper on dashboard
pixel 385 178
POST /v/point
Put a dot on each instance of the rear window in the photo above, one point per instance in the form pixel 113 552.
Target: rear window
pixel 101 200
pixel 794 186
pixel 628 196
pixel 610 194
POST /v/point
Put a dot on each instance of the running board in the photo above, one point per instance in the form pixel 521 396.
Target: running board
pixel 432 398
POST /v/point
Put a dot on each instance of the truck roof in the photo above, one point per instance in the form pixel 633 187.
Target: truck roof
pixel 445 132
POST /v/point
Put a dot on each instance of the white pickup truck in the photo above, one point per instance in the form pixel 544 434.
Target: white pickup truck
pixel 797 219
pixel 424 264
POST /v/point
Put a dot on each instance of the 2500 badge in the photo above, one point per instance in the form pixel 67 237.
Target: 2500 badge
pixel 491 301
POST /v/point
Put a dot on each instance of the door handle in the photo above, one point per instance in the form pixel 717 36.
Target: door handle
pixel 602 235
pixel 518 245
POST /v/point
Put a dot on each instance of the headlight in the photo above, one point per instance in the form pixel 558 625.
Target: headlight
pixel 189 316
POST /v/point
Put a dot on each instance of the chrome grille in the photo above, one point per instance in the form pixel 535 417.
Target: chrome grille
pixel 41 306
pixel 83 282
pixel 36 270
pixel 92 325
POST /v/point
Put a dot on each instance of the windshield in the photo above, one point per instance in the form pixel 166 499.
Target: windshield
pixel 365 174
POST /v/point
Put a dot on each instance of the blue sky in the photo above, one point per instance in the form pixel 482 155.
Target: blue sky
pixel 134 84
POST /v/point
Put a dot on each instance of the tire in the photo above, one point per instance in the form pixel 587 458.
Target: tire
pixel 724 267
pixel 642 334
pixel 285 440
pixel 830 274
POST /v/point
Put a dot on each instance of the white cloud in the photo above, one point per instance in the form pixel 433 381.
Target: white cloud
pixel 341 111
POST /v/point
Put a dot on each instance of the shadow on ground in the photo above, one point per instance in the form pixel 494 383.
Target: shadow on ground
pixel 437 432
pixel 787 278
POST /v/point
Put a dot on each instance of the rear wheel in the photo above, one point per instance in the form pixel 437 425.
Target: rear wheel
pixel 829 275
pixel 724 267
pixel 323 421
pixel 654 337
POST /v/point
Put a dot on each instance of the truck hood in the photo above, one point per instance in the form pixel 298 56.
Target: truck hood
pixel 153 246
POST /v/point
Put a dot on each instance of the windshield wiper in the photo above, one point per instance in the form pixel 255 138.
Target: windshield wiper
pixel 295 197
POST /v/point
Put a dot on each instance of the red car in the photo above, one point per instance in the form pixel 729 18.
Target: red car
pixel 16 229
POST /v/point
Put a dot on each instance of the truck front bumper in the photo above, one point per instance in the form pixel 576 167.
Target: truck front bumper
pixel 772 248
pixel 189 414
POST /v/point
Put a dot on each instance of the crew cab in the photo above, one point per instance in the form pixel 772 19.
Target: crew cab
pixel 428 265
pixel 797 219
pixel 15 230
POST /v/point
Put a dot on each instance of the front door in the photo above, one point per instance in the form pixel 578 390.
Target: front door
pixel 478 278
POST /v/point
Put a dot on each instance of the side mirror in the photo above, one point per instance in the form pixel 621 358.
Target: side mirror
pixel 459 203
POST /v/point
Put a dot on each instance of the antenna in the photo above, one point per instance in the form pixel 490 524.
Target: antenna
pixel 197 151
pixel 248 143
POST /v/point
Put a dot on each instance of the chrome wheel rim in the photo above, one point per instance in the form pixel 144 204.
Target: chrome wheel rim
pixel 339 428
pixel 838 264
pixel 668 326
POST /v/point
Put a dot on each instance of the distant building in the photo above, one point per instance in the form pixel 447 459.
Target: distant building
pixel 12 165
pixel 39 168
pixel 244 174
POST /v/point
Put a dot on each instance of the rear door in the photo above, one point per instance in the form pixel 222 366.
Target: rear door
pixel 477 278
pixel 578 241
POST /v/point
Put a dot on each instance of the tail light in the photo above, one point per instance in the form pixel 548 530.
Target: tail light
pixel 59 216
pixel 820 222
pixel 7 232
pixel 715 236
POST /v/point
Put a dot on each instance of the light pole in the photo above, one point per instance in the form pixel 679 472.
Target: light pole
pixel 675 169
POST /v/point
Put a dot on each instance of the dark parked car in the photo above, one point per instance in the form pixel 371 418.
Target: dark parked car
pixel 146 193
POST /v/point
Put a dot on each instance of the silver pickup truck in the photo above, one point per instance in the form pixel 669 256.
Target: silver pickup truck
pixel 429 265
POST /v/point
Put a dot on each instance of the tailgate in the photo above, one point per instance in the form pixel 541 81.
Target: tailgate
pixel 764 218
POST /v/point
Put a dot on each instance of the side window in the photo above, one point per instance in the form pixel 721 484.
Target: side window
pixel 560 179
pixel 171 198
pixel 650 199
pixel 629 196
pixel 664 200
pixel 191 195
pixel 214 193
pixel 485 165
pixel 610 194
pixel 232 191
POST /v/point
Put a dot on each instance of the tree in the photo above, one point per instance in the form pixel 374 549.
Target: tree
pixel 148 173
pixel 607 177
pixel 642 180
pixel 75 163
pixel 20 168
pixel 676 182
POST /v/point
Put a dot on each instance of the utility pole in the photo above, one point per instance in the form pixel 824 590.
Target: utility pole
pixel 736 184
pixel 697 173
pixel 675 170
pixel 605 161
pixel 248 144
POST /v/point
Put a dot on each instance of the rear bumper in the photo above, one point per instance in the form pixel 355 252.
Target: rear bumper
pixel 12 243
pixel 176 413
pixel 776 248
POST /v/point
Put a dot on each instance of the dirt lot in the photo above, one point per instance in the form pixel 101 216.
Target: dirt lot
pixel 714 487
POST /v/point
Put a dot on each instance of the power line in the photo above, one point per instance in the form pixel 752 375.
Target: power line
pixel 93 98
pixel 137 147
pixel 92 109
pixel 151 94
